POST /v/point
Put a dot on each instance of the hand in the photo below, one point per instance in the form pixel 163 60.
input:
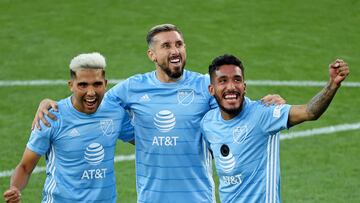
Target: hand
pixel 273 99
pixel 42 110
pixel 338 71
pixel 12 195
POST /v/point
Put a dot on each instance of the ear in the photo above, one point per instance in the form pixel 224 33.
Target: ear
pixel 151 54
pixel 211 89
pixel 244 87
pixel 70 85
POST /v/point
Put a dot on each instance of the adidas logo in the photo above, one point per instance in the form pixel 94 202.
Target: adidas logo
pixel 74 133
pixel 145 97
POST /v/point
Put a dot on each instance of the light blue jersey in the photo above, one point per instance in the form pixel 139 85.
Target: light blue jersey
pixel 172 162
pixel 79 151
pixel 246 151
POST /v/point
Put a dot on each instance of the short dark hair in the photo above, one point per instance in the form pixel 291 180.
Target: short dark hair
pixel 226 59
pixel 160 28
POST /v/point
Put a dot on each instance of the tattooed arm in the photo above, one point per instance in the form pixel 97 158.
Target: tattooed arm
pixel 338 71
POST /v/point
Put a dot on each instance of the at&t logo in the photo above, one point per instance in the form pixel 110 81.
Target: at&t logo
pixel 94 153
pixel 164 121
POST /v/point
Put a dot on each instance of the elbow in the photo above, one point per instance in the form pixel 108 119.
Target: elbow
pixel 313 117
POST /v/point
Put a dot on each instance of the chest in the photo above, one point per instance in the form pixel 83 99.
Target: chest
pixel 78 139
pixel 168 108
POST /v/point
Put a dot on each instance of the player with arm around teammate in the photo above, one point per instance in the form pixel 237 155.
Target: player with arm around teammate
pixel 79 146
pixel 172 162
pixel 244 135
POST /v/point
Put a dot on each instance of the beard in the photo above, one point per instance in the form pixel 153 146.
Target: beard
pixel 231 111
pixel 173 74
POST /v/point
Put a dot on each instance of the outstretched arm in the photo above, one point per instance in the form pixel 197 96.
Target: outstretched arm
pixel 21 176
pixel 43 110
pixel 338 71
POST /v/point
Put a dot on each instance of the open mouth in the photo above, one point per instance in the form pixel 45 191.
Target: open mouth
pixel 231 96
pixel 90 102
pixel 175 60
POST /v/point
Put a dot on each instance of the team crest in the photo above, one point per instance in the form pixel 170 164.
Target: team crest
pixel 107 127
pixel 240 134
pixel 185 97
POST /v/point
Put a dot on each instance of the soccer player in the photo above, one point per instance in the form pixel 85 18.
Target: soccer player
pixel 80 145
pixel 244 135
pixel 172 162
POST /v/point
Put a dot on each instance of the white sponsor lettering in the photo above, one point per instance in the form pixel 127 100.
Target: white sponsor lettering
pixel 164 141
pixel 232 180
pixel 94 174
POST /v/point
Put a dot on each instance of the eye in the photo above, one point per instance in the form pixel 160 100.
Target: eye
pixel 222 80
pixel 179 44
pixel 166 45
pixel 82 85
pixel 238 79
pixel 98 84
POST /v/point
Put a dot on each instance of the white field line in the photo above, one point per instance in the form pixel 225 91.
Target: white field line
pixel 291 135
pixel 295 83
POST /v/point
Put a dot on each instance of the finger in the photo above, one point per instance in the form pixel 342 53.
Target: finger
pixel 51 116
pixel 37 124
pixel 9 197
pixel 54 106
pixel 266 98
pixel 14 198
pixel 46 123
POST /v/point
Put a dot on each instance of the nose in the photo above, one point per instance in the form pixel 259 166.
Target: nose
pixel 174 51
pixel 231 86
pixel 91 91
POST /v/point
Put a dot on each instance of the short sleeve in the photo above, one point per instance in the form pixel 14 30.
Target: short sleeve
pixel 40 140
pixel 276 118
pixel 118 93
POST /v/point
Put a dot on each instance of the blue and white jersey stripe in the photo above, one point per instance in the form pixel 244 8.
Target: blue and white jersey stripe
pixel 272 169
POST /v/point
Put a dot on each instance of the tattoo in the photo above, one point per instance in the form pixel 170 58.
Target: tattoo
pixel 320 102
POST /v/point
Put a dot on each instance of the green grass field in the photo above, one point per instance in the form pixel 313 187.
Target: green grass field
pixel 277 40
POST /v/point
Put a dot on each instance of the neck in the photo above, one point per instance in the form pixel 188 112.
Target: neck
pixel 228 116
pixel 163 77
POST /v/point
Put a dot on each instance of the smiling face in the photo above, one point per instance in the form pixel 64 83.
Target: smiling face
pixel 228 88
pixel 168 53
pixel 88 87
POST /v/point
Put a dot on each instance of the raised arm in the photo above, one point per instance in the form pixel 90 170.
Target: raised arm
pixel 21 176
pixel 43 110
pixel 338 71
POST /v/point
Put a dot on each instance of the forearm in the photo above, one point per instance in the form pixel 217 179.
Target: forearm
pixel 20 177
pixel 320 102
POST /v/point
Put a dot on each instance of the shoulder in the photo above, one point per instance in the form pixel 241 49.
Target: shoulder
pixel 210 115
pixel 191 75
pixel 140 77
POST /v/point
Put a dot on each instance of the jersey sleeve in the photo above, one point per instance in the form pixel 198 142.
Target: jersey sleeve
pixel 127 129
pixel 118 93
pixel 203 133
pixel 275 118
pixel 40 140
